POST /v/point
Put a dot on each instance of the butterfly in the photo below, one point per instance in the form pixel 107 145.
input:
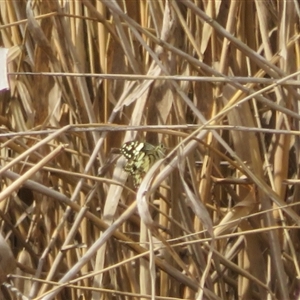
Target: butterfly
pixel 140 158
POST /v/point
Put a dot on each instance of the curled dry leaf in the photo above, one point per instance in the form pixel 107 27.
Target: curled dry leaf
pixel 198 207
pixel 233 217
pixel 143 194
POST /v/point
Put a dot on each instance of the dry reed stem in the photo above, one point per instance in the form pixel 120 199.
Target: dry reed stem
pixel 219 85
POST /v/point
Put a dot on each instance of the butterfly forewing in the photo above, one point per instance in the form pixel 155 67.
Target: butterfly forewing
pixel 128 149
pixel 140 157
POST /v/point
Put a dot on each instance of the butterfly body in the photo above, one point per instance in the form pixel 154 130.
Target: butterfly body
pixel 140 157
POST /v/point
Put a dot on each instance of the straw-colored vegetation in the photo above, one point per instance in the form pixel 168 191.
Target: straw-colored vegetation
pixel 216 82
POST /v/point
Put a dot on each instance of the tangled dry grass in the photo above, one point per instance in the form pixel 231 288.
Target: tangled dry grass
pixel 217 83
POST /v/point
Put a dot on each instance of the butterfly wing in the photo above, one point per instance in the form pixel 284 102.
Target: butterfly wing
pixel 140 157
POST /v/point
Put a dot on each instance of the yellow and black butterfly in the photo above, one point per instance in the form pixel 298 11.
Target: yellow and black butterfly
pixel 140 157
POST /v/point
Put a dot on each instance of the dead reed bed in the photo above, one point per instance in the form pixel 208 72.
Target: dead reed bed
pixel 216 82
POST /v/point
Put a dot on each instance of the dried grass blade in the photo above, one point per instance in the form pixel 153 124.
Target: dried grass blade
pixel 35 147
pixel 15 185
pixel 233 217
